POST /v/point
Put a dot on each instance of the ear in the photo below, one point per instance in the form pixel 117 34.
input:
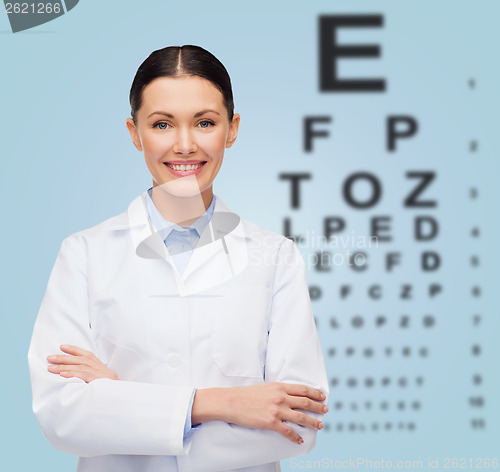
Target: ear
pixel 134 134
pixel 233 130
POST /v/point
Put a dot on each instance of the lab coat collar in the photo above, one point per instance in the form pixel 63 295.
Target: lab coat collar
pixel 166 227
pixel 136 215
pixel 224 232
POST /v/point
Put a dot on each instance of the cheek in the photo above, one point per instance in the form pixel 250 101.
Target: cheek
pixel 155 147
pixel 213 145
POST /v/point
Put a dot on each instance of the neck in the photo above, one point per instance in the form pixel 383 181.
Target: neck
pixel 181 210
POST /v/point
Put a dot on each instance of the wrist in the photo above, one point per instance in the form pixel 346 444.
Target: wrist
pixel 210 404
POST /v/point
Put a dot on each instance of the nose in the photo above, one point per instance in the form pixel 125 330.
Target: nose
pixel 184 142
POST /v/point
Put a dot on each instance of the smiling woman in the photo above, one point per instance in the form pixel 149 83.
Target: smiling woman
pixel 187 140
pixel 188 335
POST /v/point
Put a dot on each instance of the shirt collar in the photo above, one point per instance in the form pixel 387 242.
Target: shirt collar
pixel 165 227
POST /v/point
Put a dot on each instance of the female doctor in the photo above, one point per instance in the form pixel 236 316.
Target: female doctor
pixel 176 336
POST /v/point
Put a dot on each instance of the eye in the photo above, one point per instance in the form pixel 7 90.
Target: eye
pixel 160 125
pixel 206 123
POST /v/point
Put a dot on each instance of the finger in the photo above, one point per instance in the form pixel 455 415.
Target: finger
pixel 56 369
pixel 76 350
pixel 303 403
pixel 85 376
pixel 70 360
pixel 301 418
pixel 304 391
pixel 288 433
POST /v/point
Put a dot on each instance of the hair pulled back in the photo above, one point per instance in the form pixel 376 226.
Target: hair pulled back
pixel 179 61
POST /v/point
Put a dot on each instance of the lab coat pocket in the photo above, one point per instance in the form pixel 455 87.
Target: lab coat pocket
pixel 239 331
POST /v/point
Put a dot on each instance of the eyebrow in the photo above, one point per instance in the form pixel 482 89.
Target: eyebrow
pixel 196 115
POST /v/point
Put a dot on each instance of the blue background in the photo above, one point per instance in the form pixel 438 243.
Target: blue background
pixel 68 164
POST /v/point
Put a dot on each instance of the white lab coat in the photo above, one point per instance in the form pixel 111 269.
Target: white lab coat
pixel 240 314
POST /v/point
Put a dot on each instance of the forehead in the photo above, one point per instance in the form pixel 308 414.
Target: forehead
pixel 185 94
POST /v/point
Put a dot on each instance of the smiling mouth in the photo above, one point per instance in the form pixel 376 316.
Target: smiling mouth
pixel 185 167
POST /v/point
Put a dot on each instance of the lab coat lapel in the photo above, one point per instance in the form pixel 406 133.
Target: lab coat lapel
pixel 224 235
pixel 223 226
pixel 146 240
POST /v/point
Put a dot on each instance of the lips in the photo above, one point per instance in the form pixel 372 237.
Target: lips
pixel 193 167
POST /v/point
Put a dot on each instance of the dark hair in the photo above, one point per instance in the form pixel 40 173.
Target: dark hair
pixel 178 61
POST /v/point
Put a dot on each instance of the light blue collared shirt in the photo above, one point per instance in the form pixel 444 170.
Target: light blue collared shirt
pixel 180 242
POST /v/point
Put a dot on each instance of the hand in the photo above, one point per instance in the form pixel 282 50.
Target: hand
pixel 262 406
pixel 81 363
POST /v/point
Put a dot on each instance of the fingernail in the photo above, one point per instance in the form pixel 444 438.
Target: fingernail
pixel 51 358
pixel 321 426
pixel 301 441
pixel 64 346
pixel 322 396
pixel 325 409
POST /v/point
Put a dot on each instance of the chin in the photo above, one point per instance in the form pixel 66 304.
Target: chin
pixel 182 187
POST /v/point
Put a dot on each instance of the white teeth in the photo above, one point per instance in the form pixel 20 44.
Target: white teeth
pixel 185 167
